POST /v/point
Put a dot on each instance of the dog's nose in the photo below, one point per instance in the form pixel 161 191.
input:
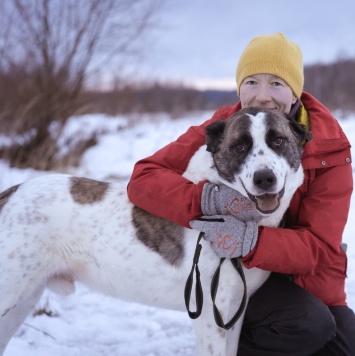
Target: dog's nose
pixel 264 179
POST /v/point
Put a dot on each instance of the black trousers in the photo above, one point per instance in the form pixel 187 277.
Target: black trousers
pixel 284 319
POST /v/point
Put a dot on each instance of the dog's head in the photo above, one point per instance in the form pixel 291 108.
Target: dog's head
pixel 258 152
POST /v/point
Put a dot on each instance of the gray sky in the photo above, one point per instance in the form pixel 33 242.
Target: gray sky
pixel 202 39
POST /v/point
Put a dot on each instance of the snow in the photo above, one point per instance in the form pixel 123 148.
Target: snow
pixel 91 324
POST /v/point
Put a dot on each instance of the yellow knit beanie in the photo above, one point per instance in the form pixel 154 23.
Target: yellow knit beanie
pixel 273 54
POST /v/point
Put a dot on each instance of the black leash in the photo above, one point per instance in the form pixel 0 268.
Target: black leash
pixel 189 283
pixel 214 287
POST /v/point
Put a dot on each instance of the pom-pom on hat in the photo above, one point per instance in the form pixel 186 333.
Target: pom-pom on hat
pixel 273 54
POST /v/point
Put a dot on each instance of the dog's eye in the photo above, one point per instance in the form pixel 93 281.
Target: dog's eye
pixel 278 142
pixel 239 147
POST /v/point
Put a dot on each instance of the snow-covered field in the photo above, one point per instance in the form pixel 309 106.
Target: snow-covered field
pixel 86 323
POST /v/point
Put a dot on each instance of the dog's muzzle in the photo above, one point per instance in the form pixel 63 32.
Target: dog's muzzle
pixel 267 203
pixel 264 181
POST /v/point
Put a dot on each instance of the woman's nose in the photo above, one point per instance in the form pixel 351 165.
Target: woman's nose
pixel 263 94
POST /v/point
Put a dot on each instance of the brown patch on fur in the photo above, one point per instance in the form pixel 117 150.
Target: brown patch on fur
pixel 280 126
pixel 160 235
pixel 87 191
pixel 5 195
pixel 224 138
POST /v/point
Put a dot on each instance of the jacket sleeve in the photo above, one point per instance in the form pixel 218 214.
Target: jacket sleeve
pixel 157 185
pixel 311 242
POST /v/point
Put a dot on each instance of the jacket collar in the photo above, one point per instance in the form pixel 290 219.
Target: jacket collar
pixel 327 135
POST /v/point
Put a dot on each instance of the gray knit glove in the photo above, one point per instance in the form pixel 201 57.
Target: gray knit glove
pixel 222 200
pixel 229 237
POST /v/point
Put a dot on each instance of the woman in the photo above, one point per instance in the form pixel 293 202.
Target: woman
pixel 301 309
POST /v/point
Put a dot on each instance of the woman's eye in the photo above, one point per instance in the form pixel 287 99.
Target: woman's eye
pixel 276 84
pixel 250 82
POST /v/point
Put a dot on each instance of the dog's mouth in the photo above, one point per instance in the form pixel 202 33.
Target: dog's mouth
pixel 266 203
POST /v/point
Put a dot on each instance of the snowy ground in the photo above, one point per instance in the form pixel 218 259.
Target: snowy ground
pixel 90 324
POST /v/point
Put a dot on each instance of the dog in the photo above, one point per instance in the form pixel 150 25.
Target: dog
pixel 58 229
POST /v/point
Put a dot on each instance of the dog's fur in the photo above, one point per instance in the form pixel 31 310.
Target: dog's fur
pixel 59 229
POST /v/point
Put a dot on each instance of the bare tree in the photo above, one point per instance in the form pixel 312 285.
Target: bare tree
pixel 48 51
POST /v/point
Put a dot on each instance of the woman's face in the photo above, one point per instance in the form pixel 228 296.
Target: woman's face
pixel 266 91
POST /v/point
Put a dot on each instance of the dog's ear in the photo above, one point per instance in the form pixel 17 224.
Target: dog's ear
pixel 299 130
pixel 214 133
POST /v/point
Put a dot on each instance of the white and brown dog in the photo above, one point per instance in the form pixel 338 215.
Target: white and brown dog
pixel 59 229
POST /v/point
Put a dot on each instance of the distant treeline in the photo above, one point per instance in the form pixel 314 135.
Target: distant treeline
pixel 333 84
pixel 158 97
pixel 35 105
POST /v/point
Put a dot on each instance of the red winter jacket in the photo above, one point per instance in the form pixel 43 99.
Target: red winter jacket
pixel 309 246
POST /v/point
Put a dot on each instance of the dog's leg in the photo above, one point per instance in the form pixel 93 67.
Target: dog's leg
pixel 13 316
pixel 213 340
